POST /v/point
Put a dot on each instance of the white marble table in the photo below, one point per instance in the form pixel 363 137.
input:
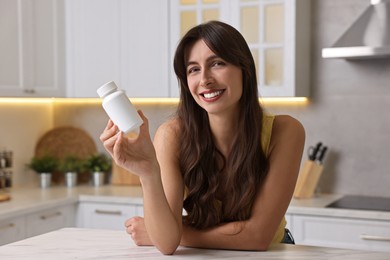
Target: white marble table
pixel 75 243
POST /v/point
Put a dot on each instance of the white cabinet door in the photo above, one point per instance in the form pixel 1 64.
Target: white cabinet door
pixel 106 216
pixel 31 48
pixel 12 230
pixel 277 32
pixel 342 232
pixel 50 219
pixel 120 40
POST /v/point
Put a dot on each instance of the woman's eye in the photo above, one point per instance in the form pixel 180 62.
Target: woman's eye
pixel 218 63
pixel 192 70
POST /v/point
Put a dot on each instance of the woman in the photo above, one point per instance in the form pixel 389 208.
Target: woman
pixel 230 166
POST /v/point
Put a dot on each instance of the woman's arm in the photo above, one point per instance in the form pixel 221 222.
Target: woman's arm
pixel 164 221
pixel 139 157
pixel 272 200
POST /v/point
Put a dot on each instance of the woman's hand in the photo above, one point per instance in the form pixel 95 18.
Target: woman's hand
pixel 135 227
pixel 136 155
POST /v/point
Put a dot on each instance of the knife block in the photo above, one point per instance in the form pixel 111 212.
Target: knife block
pixel 307 180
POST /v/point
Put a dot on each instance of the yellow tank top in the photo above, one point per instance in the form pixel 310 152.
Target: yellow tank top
pixel 268 121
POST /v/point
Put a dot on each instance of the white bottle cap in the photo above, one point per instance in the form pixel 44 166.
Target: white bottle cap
pixel 107 89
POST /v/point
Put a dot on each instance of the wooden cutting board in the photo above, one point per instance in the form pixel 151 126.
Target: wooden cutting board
pixel 4 197
pixel 121 176
pixel 63 141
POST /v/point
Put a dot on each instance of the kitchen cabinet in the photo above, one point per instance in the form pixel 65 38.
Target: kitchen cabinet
pixel 106 215
pixel 340 232
pixel 32 48
pixel 36 223
pixel 68 48
pixel 71 47
pixel 120 40
pixel 51 219
pixel 12 229
pixel 277 32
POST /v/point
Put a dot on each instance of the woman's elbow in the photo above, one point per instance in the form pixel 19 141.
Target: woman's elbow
pixel 165 250
pixel 168 248
pixel 263 246
pixel 259 243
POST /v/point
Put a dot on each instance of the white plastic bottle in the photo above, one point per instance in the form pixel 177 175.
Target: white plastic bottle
pixel 119 108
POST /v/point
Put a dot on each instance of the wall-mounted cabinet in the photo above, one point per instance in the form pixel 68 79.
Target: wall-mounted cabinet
pixel 120 40
pixel 277 32
pixel 71 47
pixel 32 48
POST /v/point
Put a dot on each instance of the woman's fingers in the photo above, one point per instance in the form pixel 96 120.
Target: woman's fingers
pixel 144 128
pixel 109 131
pixel 109 136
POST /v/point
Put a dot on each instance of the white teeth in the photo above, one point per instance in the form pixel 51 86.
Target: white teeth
pixel 213 94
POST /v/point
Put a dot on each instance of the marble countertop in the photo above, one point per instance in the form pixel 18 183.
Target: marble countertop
pixel 31 199
pixel 76 243
pixel 316 206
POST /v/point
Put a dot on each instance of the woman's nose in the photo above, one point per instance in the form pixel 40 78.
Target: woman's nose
pixel 206 79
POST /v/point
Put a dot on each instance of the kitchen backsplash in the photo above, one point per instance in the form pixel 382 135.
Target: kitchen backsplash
pixel 347 111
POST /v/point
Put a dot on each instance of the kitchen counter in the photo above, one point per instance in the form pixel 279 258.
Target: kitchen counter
pixel 30 199
pixel 316 206
pixel 75 243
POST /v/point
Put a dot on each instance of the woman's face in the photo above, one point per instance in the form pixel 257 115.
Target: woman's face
pixel 214 84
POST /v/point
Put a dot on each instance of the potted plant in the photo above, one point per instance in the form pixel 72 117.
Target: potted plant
pixel 98 165
pixel 71 165
pixel 45 166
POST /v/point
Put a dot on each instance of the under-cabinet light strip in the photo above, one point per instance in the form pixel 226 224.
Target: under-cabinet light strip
pixel 141 101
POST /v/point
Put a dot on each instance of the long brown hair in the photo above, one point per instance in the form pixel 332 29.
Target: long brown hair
pixel 246 165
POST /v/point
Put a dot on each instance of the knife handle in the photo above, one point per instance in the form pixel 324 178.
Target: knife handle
pixel 322 154
pixel 313 151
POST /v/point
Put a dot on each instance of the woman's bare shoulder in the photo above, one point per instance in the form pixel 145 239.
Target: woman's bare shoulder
pixel 169 128
pixel 168 134
pixel 287 127
pixel 287 121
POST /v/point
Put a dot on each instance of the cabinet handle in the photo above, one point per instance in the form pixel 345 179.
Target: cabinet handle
pixel 10 225
pixel 372 237
pixel 55 214
pixel 29 91
pixel 108 212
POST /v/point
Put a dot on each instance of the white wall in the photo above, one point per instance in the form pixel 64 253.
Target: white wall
pixel 21 126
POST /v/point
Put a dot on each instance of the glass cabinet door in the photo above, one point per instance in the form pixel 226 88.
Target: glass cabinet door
pixel 193 12
pixel 262 25
pixel 271 28
pixel 185 14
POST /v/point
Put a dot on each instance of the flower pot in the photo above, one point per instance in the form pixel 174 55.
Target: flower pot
pixel 98 179
pixel 45 179
pixel 71 179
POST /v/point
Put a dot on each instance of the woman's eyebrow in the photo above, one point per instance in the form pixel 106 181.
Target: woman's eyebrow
pixel 211 57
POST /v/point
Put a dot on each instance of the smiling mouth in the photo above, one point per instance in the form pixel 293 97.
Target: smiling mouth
pixel 212 94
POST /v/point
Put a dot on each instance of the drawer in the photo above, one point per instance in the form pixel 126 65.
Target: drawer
pixel 342 232
pixel 106 216
pixel 12 230
pixel 49 220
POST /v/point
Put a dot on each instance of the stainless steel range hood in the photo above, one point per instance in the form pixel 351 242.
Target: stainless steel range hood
pixel 368 37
